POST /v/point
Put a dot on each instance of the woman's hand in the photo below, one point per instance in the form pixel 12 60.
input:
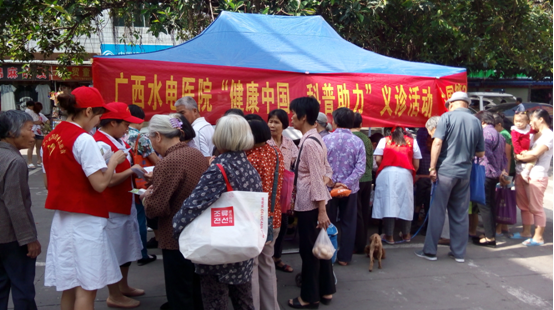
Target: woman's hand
pixel 210 160
pixel 33 249
pixel 138 167
pixel 323 220
pixel 340 185
pixel 328 182
pixel 433 175
pixel 118 157
pixel 147 193
pixel 148 177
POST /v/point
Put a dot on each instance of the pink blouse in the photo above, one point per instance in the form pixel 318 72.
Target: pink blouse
pixel 288 149
pixel 310 186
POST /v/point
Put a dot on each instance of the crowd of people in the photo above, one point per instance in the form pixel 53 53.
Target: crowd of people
pixel 94 160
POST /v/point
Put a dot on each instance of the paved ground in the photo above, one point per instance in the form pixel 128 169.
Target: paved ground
pixel 511 276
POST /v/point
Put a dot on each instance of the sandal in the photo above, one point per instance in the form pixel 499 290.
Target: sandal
pixel 284 267
pixel 531 242
pixel 383 239
pixel 325 301
pixel 297 305
pixel 518 236
pixel 342 263
pixel 402 236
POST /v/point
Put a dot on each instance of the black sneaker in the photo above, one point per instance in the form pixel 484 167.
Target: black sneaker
pixel 165 306
pixel 425 255
pixel 152 243
pixel 458 260
pixel 144 261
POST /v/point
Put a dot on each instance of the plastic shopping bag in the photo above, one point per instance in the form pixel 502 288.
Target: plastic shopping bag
pixel 477 184
pixel 233 229
pixel 506 210
pixel 323 247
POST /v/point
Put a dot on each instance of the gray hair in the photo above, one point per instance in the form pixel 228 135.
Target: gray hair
pixel 188 102
pixel 11 123
pixel 160 124
pixel 432 122
pixel 232 133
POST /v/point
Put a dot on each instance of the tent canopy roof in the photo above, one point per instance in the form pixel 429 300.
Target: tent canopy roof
pixel 285 43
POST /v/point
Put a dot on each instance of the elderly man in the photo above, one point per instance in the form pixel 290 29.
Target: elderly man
pixel 347 157
pixel 188 107
pixel 19 246
pixel 458 139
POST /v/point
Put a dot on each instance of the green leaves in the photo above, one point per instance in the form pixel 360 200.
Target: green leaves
pixel 508 36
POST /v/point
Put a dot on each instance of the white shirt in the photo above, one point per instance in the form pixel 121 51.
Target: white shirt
pixel 87 154
pixel 383 142
pixel 204 134
pixel 540 170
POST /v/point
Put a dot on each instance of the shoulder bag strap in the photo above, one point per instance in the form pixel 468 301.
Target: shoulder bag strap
pixel 135 149
pixel 229 188
pixel 297 163
pixel 275 182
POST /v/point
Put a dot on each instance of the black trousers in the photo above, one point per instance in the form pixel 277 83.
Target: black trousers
pixel 488 211
pixel 317 274
pixel 17 273
pixel 364 216
pixel 216 294
pixel 182 284
pixel 343 211
pixel 278 248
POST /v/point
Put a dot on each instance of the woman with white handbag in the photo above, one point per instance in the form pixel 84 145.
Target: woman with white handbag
pixel 231 169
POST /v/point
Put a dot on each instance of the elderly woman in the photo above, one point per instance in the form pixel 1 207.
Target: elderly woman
pixel 173 180
pixel 266 159
pixel 530 195
pixel 232 137
pixel 278 120
pixel 398 158
pixel 18 242
pixel 313 174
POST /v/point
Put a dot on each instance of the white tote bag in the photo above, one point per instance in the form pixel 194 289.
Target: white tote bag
pixel 233 229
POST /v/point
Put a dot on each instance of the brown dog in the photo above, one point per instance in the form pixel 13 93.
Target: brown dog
pixel 375 250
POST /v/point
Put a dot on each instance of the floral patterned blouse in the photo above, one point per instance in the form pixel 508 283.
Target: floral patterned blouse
pixel 243 177
pixel 263 159
pixel 144 144
pixel 288 148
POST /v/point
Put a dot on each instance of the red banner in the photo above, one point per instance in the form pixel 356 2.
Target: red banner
pixel 382 99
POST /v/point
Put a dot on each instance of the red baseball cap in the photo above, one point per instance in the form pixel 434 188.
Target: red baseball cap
pixel 120 110
pixel 89 97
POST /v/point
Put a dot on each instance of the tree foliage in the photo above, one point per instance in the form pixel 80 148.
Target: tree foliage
pixel 508 36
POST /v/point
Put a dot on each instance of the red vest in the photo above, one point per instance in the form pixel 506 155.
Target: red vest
pixel 398 155
pixel 69 189
pixel 117 198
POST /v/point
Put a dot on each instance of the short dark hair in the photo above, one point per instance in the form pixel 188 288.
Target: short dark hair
pixel 105 122
pixel 376 137
pixel 502 101
pixel 519 99
pixel 281 115
pixel 136 111
pixel 305 106
pixel 234 111
pixel 498 119
pixel 357 120
pixel 37 107
pixel 251 117
pixel 260 130
pixel 29 103
pixel 485 117
pixel 343 117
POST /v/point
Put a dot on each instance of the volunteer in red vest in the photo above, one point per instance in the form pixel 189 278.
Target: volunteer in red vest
pixel 80 258
pixel 123 228
pixel 398 158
